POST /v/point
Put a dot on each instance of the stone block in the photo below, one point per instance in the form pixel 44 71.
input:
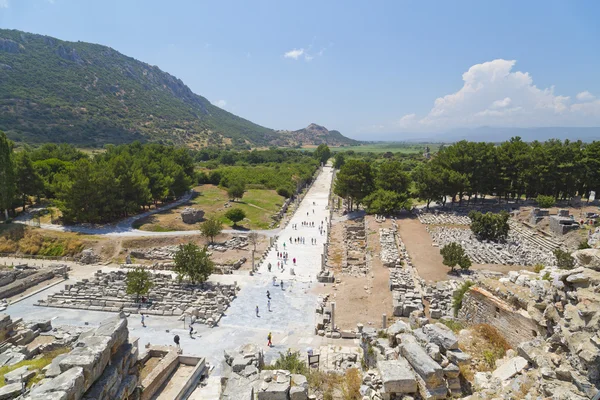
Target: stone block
pixel 298 393
pixel 458 357
pixel 22 374
pixel 429 370
pixel 510 368
pixel 441 335
pixel 397 376
pixel 70 382
pixel 10 391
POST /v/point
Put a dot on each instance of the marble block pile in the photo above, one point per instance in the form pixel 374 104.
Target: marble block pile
pixel 237 242
pixel 439 296
pixel 441 218
pixel 518 249
pixel 355 262
pixel 390 257
pixel 155 253
pixel 107 292
pixel 413 361
pixel 406 292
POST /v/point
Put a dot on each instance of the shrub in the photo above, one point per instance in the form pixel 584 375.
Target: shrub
pixel 291 361
pixel 584 245
pixel 563 259
pixel 538 267
pixel 546 276
pixel 545 201
pixel 459 295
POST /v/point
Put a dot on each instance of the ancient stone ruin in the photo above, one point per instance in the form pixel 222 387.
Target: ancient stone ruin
pixel 245 380
pixel 101 366
pixel 522 247
pixel 107 292
pixel 355 262
pixel 191 215
pixel 389 250
pixel 412 359
pixel 22 277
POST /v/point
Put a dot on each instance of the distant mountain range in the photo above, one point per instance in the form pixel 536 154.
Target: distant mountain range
pixel 90 95
pixel 494 134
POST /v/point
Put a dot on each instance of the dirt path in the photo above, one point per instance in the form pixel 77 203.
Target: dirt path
pixel 361 299
pixel 425 257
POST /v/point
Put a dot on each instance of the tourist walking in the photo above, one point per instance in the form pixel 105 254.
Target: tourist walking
pixel 269 305
pixel 176 340
pixel 143 323
pixel 269 337
pixel 268 295
pixel 269 267
pixel 191 331
pixel 257 312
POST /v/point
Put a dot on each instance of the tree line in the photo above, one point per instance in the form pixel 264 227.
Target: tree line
pixel 470 171
pixel 119 182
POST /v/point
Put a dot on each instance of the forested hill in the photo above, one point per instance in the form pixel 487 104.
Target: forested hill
pixel 89 95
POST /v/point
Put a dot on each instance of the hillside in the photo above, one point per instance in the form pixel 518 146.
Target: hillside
pixel 90 95
pixel 315 134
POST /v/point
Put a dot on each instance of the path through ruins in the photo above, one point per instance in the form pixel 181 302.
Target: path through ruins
pixel 293 307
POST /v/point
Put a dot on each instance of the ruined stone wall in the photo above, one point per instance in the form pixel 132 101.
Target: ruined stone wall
pixel 102 366
pixel 23 283
pixel 481 307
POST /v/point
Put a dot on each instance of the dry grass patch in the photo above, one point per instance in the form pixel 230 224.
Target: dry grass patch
pixel 486 346
pixel 34 364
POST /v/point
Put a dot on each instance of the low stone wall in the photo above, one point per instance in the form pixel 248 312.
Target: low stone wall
pixel 481 307
pixel 21 284
pixel 161 372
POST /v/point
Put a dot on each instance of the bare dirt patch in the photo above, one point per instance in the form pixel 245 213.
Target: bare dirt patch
pixel 354 303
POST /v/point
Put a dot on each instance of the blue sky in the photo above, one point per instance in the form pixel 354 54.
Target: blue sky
pixel 373 70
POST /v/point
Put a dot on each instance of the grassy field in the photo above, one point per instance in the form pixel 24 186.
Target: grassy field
pixel 394 147
pixel 258 204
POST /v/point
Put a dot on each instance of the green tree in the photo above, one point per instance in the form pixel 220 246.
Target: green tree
pixel 454 254
pixel 563 259
pixel 29 182
pixel 386 202
pixel 339 160
pixel 211 228
pixel 490 226
pixel 354 182
pixel 139 282
pixel 235 215
pixel 428 183
pixel 391 177
pixel 193 263
pixel 7 174
pixel 322 153
pixel 545 201
pixel 236 190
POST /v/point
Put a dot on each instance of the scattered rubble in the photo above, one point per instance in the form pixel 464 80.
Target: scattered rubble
pixel 355 262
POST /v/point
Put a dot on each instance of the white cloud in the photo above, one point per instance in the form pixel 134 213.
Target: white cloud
pixel 585 96
pixel 501 103
pixel 308 57
pixel 221 103
pixel 4 4
pixel 295 54
pixel 495 95
pixel 51 1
